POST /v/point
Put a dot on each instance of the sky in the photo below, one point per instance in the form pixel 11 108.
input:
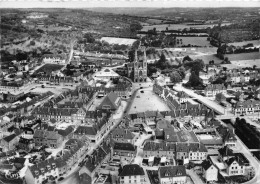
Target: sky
pixel 126 3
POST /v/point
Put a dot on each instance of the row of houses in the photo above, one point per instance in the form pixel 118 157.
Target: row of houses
pixel 73 154
pixel 178 151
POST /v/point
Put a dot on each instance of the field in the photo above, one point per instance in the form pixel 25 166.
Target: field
pixel 206 54
pixel 162 27
pixel 147 101
pixel 254 42
pixel 243 56
pixel 199 41
pixel 48 68
pixel 247 63
pixel 119 41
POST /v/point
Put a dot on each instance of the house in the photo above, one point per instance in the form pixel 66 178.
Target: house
pixel 106 74
pixel 40 172
pixel 235 166
pixel 26 144
pixel 246 107
pixel 228 135
pixel 9 142
pixel 54 59
pixel 172 174
pixel 48 138
pixel 132 174
pixel 212 89
pixel 123 135
pixel 19 162
pixel 111 102
pixel 209 171
pixel 92 164
pixel 66 133
pixel 124 151
pixel 182 97
pixel 174 150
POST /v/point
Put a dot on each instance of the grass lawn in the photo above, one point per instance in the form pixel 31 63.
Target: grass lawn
pixel 48 68
pixel 207 58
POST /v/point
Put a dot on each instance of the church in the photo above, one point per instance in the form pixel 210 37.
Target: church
pixel 137 70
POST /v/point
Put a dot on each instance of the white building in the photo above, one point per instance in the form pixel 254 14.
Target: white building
pixel 209 171
pixel 172 174
pixel 105 73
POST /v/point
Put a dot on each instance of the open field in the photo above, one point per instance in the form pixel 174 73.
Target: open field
pixel 147 101
pixel 207 58
pixel 243 56
pixel 48 68
pixel 119 41
pixel 162 27
pixel 247 63
pixel 254 42
pixel 199 41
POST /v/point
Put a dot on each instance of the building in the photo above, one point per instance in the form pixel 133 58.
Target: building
pixel 124 151
pixel 132 174
pixel 123 135
pixel 228 135
pixel 48 138
pixel 100 154
pixel 177 151
pixel 209 171
pixel 246 107
pixel 106 74
pixel 137 70
pixel 172 174
pixel 111 102
pixel 212 89
pixel 54 59
pixel 26 144
pixel 9 142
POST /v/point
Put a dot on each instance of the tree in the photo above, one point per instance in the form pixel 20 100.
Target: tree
pixel 186 58
pixel 181 71
pixel 131 55
pixel 194 80
pixel 218 81
pixel 162 61
pixel 197 66
pixel 136 26
pixel 175 77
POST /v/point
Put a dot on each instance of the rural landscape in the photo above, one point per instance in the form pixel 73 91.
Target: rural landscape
pixel 130 95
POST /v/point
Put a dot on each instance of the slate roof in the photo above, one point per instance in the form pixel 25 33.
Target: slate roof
pixel 132 170
pixel 86 130
pixel 122 133
pixel 172 171
pixel 226 133
pixel 124 146
pixel 206 164
pixel 247 104
pixel 9 137
pixel 225 151
pixel 214 87
pixel 66 131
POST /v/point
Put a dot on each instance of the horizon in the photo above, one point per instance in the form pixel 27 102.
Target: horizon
pixel 87 4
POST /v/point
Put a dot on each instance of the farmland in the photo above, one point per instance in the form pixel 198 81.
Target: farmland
pixel 197 41
pixel 207 54
pixel 119 41
pixel 162 27
pixel 246 63
pixel 243 56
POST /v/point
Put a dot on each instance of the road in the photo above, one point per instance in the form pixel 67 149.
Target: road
pixel 196 179
pixel 211 104
pixel 253 161
pixel 73 178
